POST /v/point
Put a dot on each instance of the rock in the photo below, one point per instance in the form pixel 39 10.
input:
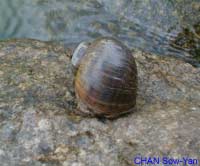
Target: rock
pixel 39 127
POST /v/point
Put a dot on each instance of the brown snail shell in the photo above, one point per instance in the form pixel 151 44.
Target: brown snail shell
pixel 106 79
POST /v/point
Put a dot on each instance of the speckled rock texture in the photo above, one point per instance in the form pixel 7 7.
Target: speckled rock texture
pixel 38 126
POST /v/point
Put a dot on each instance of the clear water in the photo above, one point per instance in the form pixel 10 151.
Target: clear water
pixel 150 25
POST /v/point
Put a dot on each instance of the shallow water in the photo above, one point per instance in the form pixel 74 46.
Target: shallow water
pixel 165 27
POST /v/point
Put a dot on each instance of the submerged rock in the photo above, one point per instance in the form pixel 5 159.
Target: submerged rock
pixel 37 101
pixel 189 40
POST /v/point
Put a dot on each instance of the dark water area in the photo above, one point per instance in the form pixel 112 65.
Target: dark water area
pixel 164 27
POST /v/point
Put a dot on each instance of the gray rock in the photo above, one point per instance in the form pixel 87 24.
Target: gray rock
pixel 38 126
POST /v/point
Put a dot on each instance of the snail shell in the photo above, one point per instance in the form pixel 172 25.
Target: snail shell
pixel 106 78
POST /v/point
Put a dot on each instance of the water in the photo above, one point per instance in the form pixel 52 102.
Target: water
pixel 164 27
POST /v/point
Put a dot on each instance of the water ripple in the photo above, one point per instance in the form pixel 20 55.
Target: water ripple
pixel 10 26
pixel 154 26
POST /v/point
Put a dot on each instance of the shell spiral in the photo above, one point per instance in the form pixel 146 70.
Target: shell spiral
pixel 106 80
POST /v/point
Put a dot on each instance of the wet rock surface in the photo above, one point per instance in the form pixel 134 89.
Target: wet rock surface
pixel 37 101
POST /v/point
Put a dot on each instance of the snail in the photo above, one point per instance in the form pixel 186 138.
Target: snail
pixel 106 78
